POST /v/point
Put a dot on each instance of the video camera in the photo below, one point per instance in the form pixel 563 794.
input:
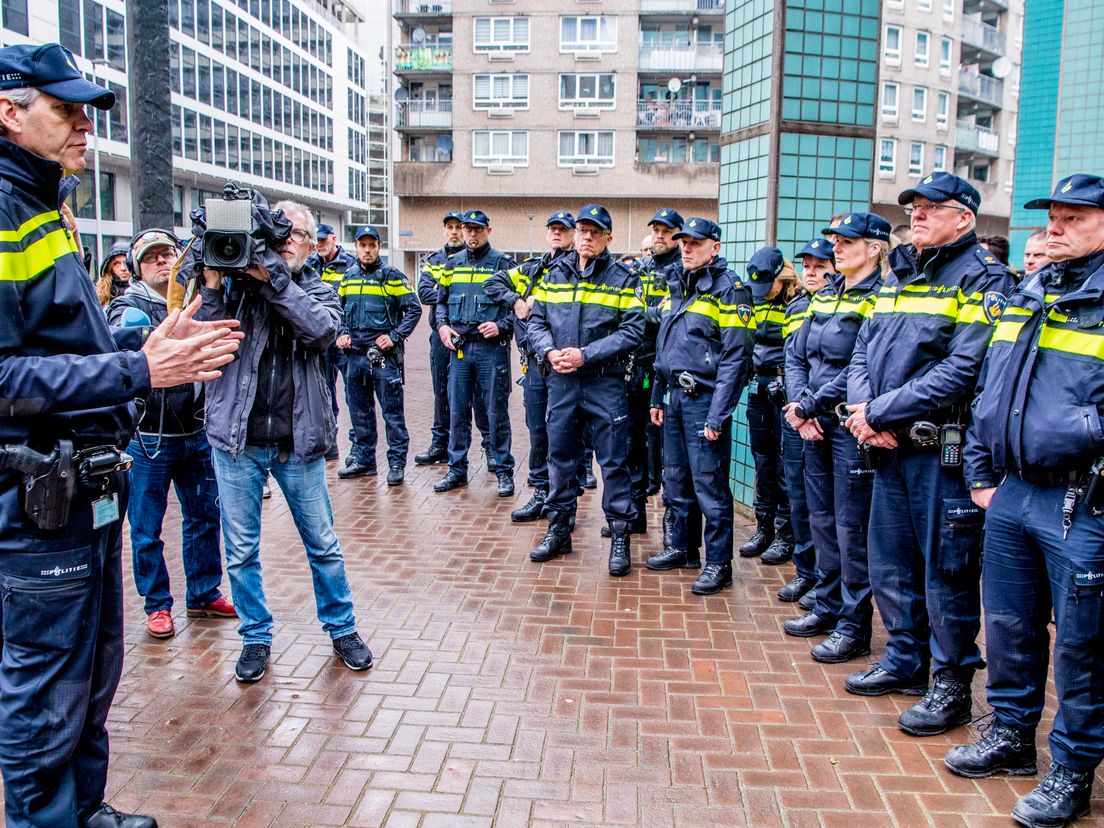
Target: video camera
pixel 228 240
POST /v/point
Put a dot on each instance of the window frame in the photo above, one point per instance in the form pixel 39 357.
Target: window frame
pixel 491 160
pixel 596 46
pixel 920 115
pixel 513 45
pixel 892 57
pixel 578 159
pixel 492 102
pixel 886 113
pixel 923 58
pixel 596 102
pixel 887 169
pixel 916 169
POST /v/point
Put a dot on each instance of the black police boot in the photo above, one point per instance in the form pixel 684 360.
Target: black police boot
pixel 452 480
pixel 431 456
pixel 505 484
pixel 1060 798
pixel 713 578
pixel 395 476
pixel 947 704
pixel 668 527
pixel 757 544
pixel 795 589
pixel 531 510
pixel 590 481
pixel 781 548
pixel 808 625
pixel 357 469
pixel 556 541
pixel 838 648
pixel 999 749
pixel 492 464
pixel 639 526
pixel 620 548
pixel 671 558
pixel 878 682
pixel 808 600
pixel 108 817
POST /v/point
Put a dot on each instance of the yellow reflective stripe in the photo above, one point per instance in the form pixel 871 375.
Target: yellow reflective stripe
pixel 770 313
pixel 1008 330
pixel 21 266
pixel 590 294
pixel 926 305
pixel 1079 343
pixel 518 279
pixel 29 226
pixel 396 287
pixel 361 289
pixel 466 276
pixel 793 322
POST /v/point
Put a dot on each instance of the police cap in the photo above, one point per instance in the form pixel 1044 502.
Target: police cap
pixel 596 214
pixel 561 217
pixel 1086 190
pixel 453 215
pixel 476 217
pixel 818 249
pixel 942 186
pixel 51 69
pixel 667 216
pixel 861 226
pixel 325 231
pixel 762 269
pixel 367 231
pixel 699 228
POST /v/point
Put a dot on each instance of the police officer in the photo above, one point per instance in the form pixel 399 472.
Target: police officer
pixel 766 395
pixel 587 319
pixel 817 264
pixel 380 313
pixel 68 411
pixel 838 478
pixel 477 331
pixel 515 288
pixel 911 379
pixel 1033 461
pixel 693 398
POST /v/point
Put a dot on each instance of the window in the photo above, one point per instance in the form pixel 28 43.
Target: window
pixel 593 149
pixel 117 117
pixel 93 30
pixel 501 34
pixel 942 110
pixel 939 159
pixel 887 156
pixel 924 5
pixel 948 10
pixel 591 91
pixel 916 158
pixel 15 16
pixel 501 92
pixel 588 34
pixel 920 103
pixel 946 45
pixel 116 41
pixel 890 97
pixel 923 46
pixel 500 148
pixel 892 52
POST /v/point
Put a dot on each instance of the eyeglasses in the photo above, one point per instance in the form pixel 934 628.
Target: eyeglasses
pixel 588 233
pixel 167 254
pixel 298 235
pixel 923 209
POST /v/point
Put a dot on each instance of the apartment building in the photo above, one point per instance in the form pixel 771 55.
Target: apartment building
pixel 522 107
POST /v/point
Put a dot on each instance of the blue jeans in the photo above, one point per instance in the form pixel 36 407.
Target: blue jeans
pixel 484 374
pixel 240 481
pixel 186 463
pixel 365 385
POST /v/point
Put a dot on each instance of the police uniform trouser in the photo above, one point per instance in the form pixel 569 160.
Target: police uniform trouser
pixel 695 472
pixel 925 563
pixel 804 553
pixel 839 491
pixel 366 384
pixel 61 621
pixel 1028 570
pixel 535 393
pixel 765 436
pixel 439 358
pixel 482 373
pixel 599 406
pixel 639 401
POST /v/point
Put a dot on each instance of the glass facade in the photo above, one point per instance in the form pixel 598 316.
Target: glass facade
pixel 747 64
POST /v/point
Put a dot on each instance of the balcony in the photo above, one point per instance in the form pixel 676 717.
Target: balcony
pixel 976 139
pixel 983 37
pixel 678 7
pixel 423 10
pixel 981 88
pixel 975 6
pixel 427 115
pixel 681 58
pixel 678 115
pixel 423 59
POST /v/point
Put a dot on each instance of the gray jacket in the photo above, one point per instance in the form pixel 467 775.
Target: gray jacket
pixel 311 308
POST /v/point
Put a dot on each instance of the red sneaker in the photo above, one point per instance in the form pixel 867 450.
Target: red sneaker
pixel 219 608
pixel 159 624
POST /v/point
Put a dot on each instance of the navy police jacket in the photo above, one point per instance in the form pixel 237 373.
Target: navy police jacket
pixel 920 353
pixel 599 311
pixel 654 273
pixel 462 302
pixel 429 281
pixel 770 317
pixel 519 282
pixel 1042 387
pixel 377 300
pixel 333 271
pixel 796 314
pixel 818 357
pixel 708 331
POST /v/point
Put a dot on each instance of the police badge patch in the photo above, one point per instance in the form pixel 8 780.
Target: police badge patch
pixel 744 313
pixel 993 305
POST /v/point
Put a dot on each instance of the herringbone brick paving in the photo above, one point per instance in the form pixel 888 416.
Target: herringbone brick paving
pixel 511 694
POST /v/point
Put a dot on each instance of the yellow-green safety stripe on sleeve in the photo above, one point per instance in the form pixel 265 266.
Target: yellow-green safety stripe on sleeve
pixel 39 255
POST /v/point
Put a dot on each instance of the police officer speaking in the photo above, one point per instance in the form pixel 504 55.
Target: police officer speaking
pixel 910 383
pixel 1034 457
pixel 67 412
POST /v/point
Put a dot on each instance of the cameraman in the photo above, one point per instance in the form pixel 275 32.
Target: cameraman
pixel 381 311
pixel 170 448
pixel 271 413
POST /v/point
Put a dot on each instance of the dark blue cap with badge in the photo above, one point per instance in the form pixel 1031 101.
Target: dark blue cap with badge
pixel 453 215
pixel 325 231
pixel 762 269
pixel 667 216
pixel 367 230
pixel 52 69
pixel 699 228
pixel 476 217
pixel 942 186
pixel 1086 190
pixel 561 217
pixel 861 226
pixel 596 214
pixel 818 249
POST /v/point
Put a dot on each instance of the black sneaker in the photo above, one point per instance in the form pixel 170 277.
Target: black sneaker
pixel 395 476
pixel 353 651
pixel 999 749
pixel 252 663
pixel 947 704
pixel 108 817
pixel 1060 798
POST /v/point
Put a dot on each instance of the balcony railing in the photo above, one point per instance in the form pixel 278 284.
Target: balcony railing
pixel 681 6
pixel 982 36
pixel 981 88
pixel 699 57
pixel 683 115
pixel 423 58
pixel 974 138
pixel 426 7
pixel 423 114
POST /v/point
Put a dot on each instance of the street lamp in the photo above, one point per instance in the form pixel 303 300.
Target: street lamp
pixel 97 196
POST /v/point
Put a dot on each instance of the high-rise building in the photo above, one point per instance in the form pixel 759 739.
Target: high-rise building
pixel 273 94
pixel 522 107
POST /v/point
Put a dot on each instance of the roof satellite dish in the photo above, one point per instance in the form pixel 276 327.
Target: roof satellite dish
pixel 1002 68
pixel 444 144
pixel 418 35
pixel 674 85
pixel 400 94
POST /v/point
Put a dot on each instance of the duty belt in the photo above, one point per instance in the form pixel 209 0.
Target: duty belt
pixel 1052 478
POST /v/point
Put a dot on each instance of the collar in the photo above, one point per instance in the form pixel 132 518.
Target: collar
pixel 704 278
pixel 34 174
pixel 480 252
pixel 140 288
pixel 666 258
pixel 906 262
pixel 838 282
pixel 372 268
pixel 1081 278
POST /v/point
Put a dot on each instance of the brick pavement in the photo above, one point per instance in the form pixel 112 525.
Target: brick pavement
pixel 511 694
